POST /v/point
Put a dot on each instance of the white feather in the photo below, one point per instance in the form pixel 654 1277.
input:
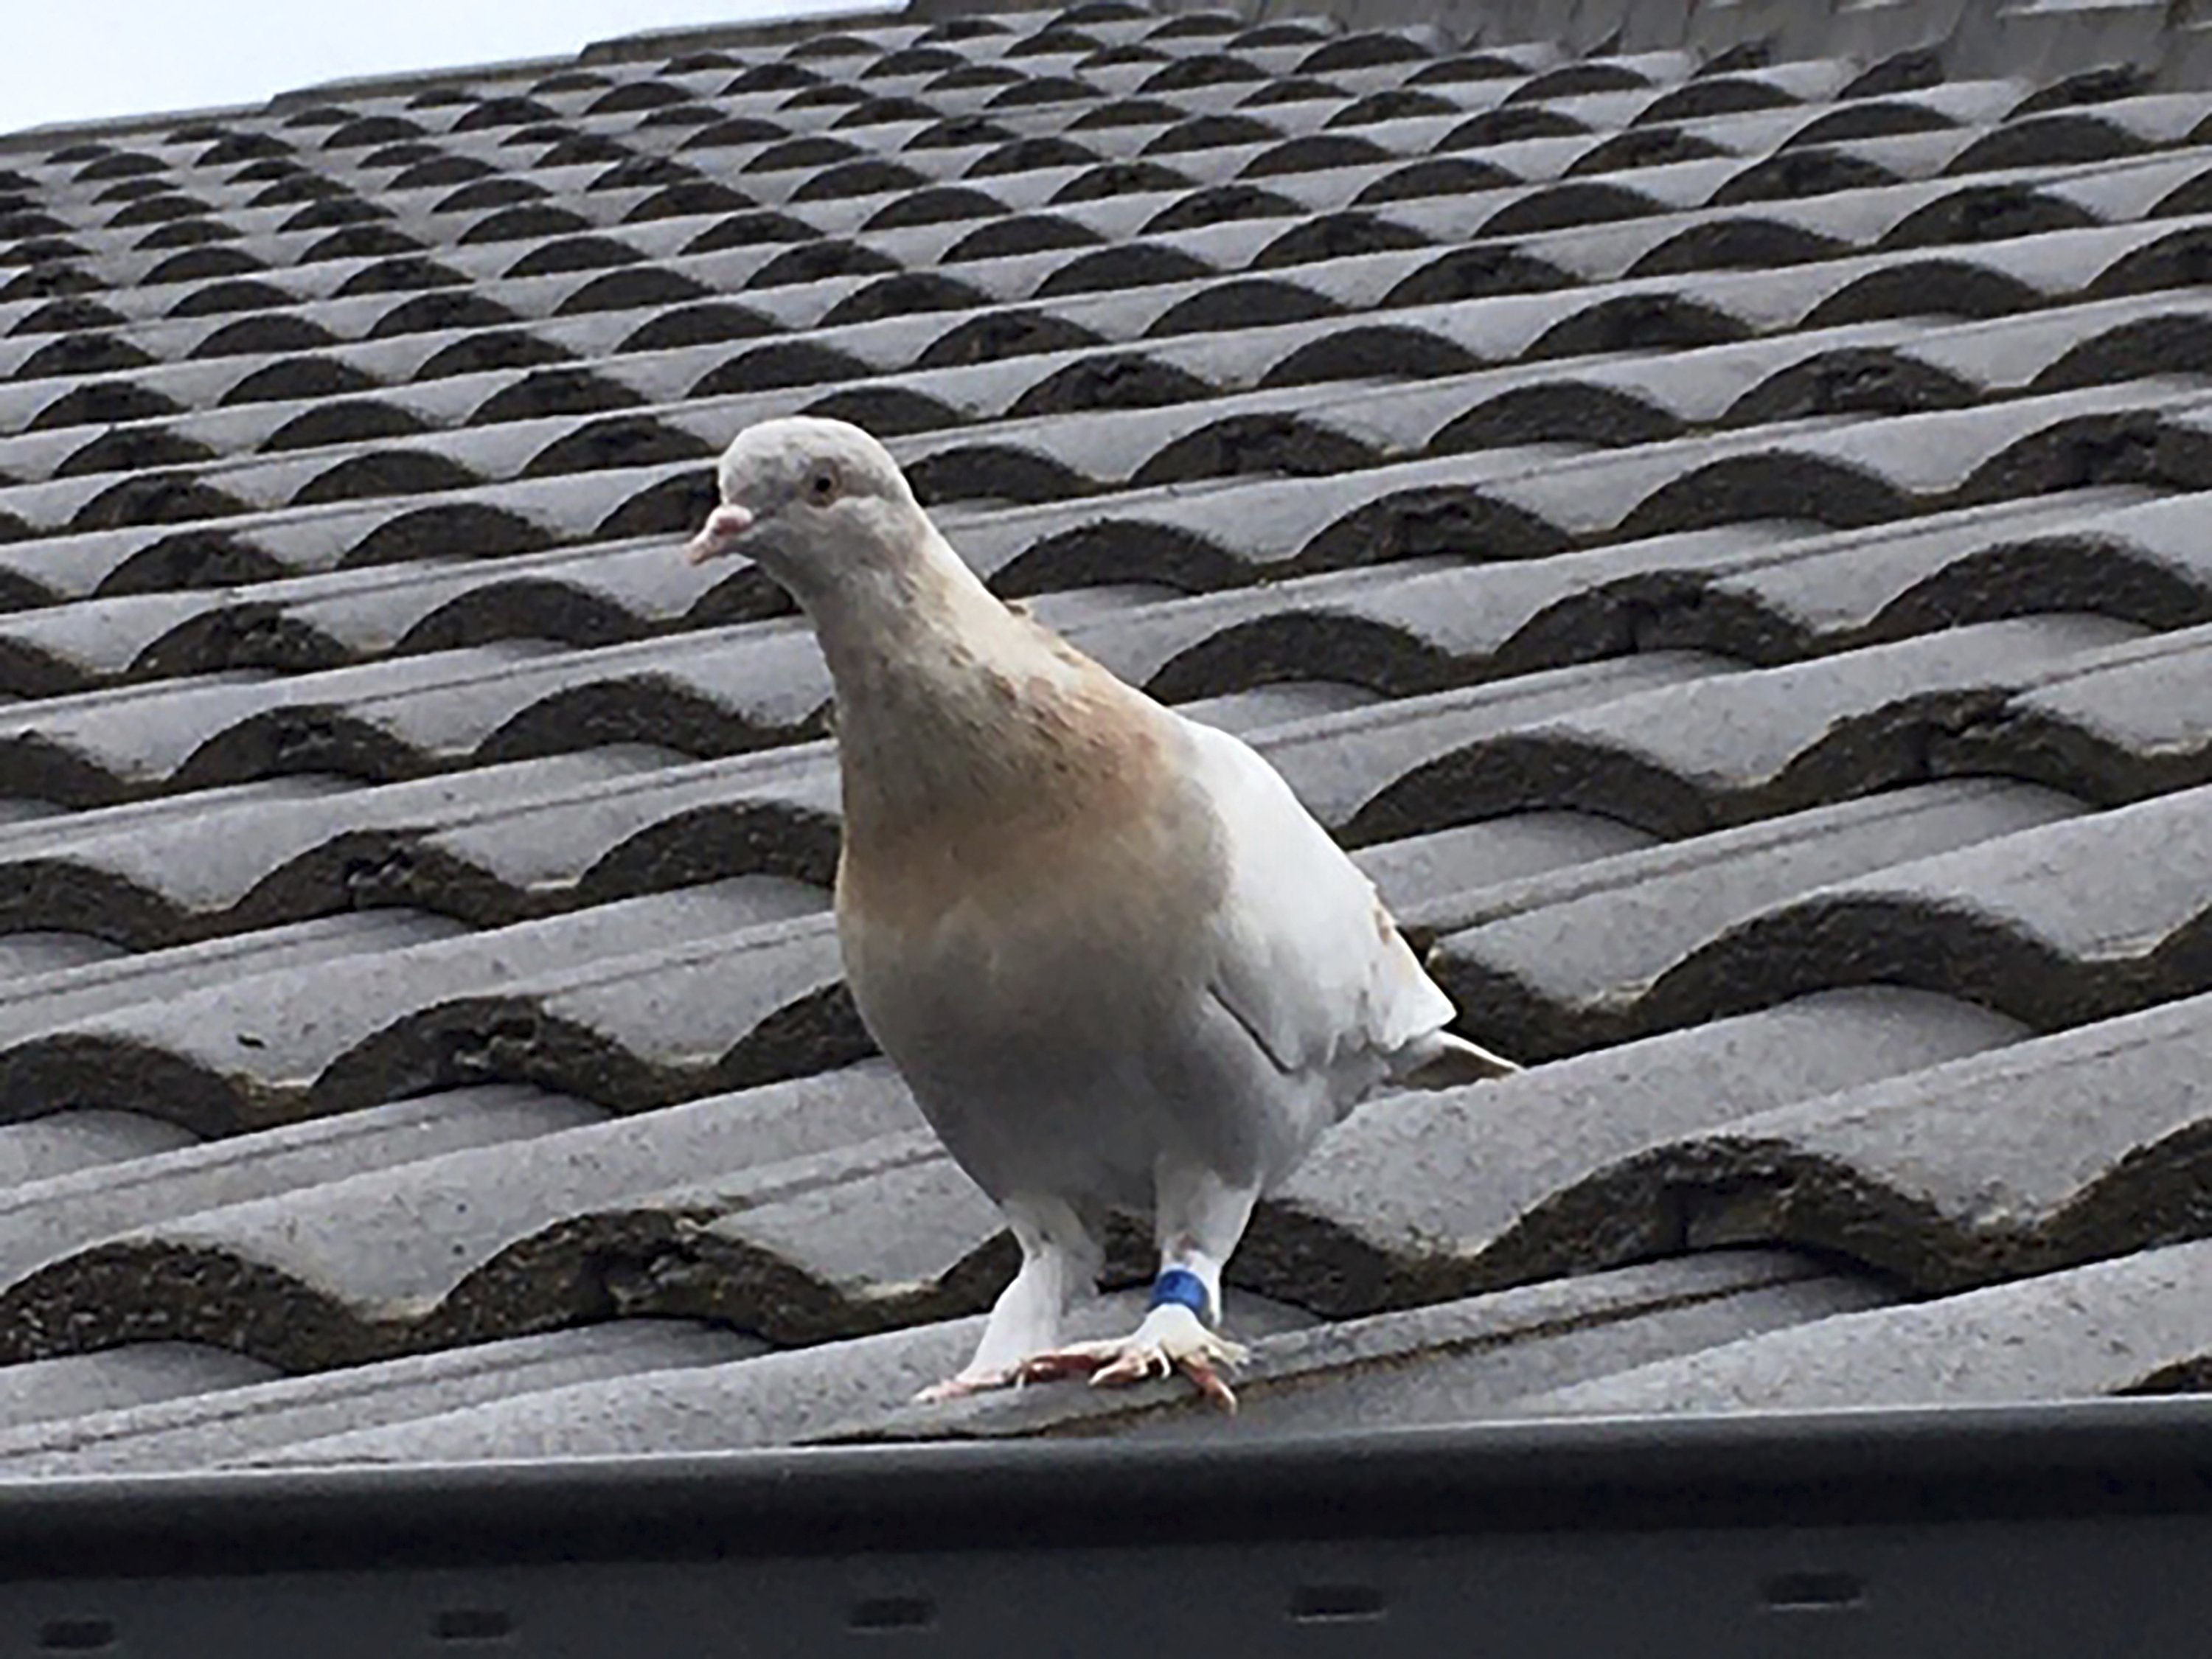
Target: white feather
pixel 1309 961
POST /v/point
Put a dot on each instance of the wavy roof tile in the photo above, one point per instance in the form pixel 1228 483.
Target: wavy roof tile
pixel 1717 524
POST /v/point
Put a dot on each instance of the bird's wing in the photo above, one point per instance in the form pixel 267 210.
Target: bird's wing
pixel 1306 958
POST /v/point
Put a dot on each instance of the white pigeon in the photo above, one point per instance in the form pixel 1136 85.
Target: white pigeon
pixel 1115 960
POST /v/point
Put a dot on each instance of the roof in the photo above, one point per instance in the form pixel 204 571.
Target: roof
pixel 1721 533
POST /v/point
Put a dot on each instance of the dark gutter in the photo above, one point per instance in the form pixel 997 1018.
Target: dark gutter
pixel 2073 1530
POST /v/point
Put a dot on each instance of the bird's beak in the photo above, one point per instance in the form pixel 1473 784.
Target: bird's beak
pixel 724 526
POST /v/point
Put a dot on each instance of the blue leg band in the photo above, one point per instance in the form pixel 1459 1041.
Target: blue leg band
pixel 1179 1287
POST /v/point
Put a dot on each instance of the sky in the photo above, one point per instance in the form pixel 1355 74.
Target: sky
pixel 81 60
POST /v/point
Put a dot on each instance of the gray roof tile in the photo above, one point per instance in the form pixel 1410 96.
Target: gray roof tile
pixel 335 1020
pixel 1730 747
pixel 1450 1361
pixel 233 1415
pixel 1429 1196
pixel 2134 1324
pixel 323 1244
pixel 48 1219
pixel 1720 534
pixel 757 1401
pixel 1586 954
pixel 143 1375
pixel 2081 918
pixel 2058 1151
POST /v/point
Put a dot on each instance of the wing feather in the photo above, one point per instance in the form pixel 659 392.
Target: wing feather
pixel 1306 957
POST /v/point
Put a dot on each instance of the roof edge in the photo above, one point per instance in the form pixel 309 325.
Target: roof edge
pixel 2011 1529
pixel 615 48
pixel 2168 42
pixel 1941 1466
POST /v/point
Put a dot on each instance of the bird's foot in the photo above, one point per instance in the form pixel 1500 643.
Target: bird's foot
pixel 970 1382
pixel 1172 1339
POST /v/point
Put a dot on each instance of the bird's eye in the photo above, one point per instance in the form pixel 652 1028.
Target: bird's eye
pixel 821 486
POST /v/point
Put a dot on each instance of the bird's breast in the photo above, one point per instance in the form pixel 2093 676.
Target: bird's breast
pixel 1063 923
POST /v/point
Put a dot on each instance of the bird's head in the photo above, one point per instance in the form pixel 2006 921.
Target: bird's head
pixel 817 503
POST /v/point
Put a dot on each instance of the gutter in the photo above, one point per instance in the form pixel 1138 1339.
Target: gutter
pixel 2069 1530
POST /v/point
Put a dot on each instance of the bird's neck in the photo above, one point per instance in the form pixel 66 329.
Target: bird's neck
pixel 948 702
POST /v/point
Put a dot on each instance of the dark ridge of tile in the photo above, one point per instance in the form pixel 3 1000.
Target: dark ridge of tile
pixel 610 832
pixel 2072 137
pixel 1580 960
pixel 1791 175
pixel 165 874
pixel 2063 1150
pixel 440 171
pixel 491 349
pixel 104 403
pixel 613 1006
pixel 620 441
pixel 272 335
pixel 1337 762
pixel 2076 921
pixel 424 534
pixel 1507 504
pixel 625 596
pixel 2161 342
pixel 298 379
pixel 659 1027
pixel 154 498
pixel 382 472
pixel 708 323
pixel 1897 370
pixel 1763 594
pixel 1991 213
pixel 407 717
pixel 495 845
pixel 216 298
pixel 250 1420
pixel 78 355
pixel 776 816
pixel 1108 380
pixel 45 1221
pixel 713 1210
pixel 2136 1325
pixel 1419 1198
pixel 1732 749
pixel 1459 1361
pixel 347 421
pixel 2129 727
pixel 1513 124
pixel 1365 49
pixel 142 449
pixel 779 365
pixel 67 316
pixel 1201 541
pixel 548 393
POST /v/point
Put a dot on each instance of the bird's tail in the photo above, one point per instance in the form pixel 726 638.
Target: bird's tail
pixel 1444 1061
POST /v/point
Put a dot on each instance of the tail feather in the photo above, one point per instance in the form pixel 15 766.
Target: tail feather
pixel 1442 1060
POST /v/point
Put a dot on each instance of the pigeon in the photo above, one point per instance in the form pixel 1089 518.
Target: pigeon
pixel 1116 962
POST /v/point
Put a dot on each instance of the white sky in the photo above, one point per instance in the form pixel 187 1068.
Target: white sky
pixel 81 60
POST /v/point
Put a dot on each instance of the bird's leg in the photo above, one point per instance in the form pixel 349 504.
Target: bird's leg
pixel 1199 1219
pixel 1057 1258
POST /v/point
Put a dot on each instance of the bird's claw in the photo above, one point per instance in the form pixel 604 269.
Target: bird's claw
pixel 1145 1357
pixel 1143 1364
pixel 966 1383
